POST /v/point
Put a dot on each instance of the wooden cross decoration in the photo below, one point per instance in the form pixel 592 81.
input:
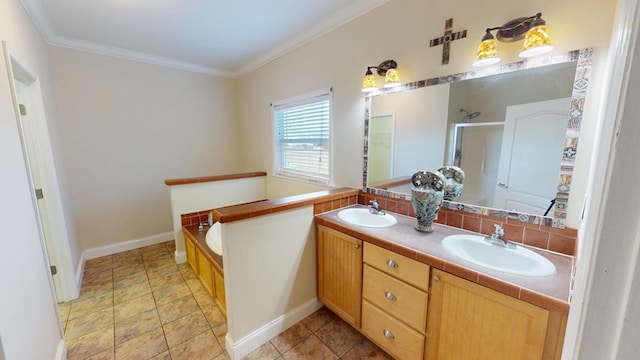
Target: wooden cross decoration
pixel 445 40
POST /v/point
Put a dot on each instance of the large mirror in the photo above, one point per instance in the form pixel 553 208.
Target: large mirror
pixel 513 129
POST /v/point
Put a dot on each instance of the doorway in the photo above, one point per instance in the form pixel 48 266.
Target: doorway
pixel 37 153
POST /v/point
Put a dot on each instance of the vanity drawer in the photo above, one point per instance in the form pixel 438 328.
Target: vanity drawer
pixel 405 302
pixel 403 268
pixel 394 337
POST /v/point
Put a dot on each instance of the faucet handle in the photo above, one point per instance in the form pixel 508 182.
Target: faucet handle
pixel 499 230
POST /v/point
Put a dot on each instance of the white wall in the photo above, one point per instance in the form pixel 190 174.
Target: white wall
pixel 126 127
pixel 401 30
pixel 28 313
pixel 269 276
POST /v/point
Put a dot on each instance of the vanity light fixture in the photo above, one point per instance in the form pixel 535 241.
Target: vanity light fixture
pixel 533 29
pixel 388 69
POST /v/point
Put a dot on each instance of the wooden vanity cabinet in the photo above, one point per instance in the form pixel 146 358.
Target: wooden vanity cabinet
pixel 340 274
pixel 415 312
pixel 394 302
pixel 467 320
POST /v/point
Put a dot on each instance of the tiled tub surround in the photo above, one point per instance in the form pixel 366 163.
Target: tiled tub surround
pixel 530 231
pixel 549 292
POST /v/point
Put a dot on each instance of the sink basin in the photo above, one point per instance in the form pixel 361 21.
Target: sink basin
pixel 214 239
pixel 518 261
pixel 362 217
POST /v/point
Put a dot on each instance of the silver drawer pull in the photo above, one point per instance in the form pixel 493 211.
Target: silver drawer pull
pixel 436 278
pixel 392 264
pixel 389 295
pixel 388 334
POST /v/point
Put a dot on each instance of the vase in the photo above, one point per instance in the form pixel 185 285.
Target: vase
pixel 426 197
pixel 454 182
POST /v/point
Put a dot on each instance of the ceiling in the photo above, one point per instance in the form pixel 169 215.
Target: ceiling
pixel 220 37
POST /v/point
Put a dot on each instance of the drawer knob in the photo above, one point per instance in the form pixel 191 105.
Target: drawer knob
pixel 392 264
pixel 436 278
pixel 357 246
pixel 388 334
pixel 389 295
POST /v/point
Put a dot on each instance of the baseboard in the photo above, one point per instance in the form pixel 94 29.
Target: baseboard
pixel 242 347
pixel 181 256
pixel 127 245
pixel 80 271
pixel 61 353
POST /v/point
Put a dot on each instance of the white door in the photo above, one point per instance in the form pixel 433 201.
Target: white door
pixel 532 145
pixel 41 172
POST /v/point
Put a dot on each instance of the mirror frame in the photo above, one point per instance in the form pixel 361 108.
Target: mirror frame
pixel 583 58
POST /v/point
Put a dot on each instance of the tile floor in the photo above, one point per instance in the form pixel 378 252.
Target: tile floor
pixel 140 304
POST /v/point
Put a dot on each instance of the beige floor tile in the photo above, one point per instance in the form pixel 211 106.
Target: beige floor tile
pixel 166 279
pixel 134 307
pixel 164 356
pixel 223 356
pixel 319 319
pixel 137 325
pixel 90 344
pixel 171 293
pixel 96 289
pixel 339 336
pixel 290 337
pixel 265 352
pixel 160 270
pixel 63 310
pixel 91 322
pixel 129 279
pixel 214 316
pixel 81 307
pixel 202 346
pixel 144 346
pixel 178 308
pixel 129 268
pixel 180 330
pixel 106 355
pixel 221 331
pixel 131 292
pixel 203 298
pixel 366 350
pixel 310 348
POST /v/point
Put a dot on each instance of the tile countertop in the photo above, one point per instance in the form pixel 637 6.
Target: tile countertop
pixel 548 292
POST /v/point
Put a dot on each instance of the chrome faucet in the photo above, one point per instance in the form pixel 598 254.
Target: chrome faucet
pixel 375 208
pixel 495 238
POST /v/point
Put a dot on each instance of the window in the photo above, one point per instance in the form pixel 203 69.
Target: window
pixel 302 131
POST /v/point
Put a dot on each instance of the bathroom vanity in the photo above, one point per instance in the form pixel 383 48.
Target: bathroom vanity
pixel 405 292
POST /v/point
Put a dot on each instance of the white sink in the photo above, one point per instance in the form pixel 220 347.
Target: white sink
pixel 362 217
pixel 214 238
pixel 518 261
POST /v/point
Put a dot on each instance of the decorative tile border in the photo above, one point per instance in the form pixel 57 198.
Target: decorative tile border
pixel 583 60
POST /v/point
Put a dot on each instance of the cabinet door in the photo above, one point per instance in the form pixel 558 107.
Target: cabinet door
pixel 340 274
pixel 469 321
pixel 205 275
pixel 191 252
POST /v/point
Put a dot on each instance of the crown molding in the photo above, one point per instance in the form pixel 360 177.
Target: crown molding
pixel 80 45
pixel 355 10
pixel 35 10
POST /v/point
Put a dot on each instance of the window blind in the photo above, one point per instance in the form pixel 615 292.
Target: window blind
pixel 302 138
